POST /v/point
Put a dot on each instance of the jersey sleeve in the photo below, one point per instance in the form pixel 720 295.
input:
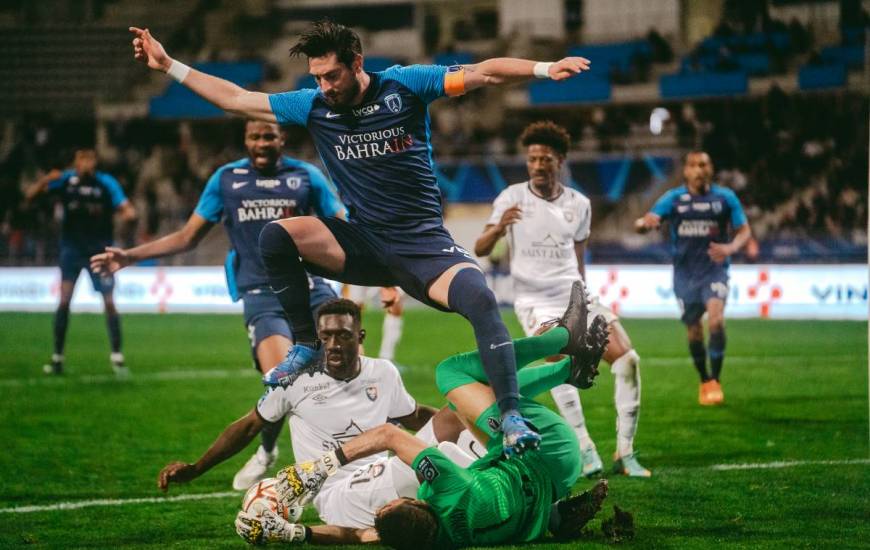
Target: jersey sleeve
pixel 116 192
pixel 326 201
pixel 426 81
pixel 274 405
pixel 58 183
pixel 738 217
pixel 585 226
pixel 443 476
pixel 292 107
pixel 664 207
pixel 211 204
pixel 401 402
pixel 502 202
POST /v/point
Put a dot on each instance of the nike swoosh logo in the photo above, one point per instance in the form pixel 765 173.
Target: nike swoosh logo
pixel 330 114
pixel 239 184
pixel 279 291
pixel 494 346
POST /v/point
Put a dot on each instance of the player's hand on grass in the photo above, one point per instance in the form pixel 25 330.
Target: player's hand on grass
pixel 175 472
pixel 148 50
pixel 510 216
pixel 267 527
pixel 568 67
pixel 719 252
pixel 110 261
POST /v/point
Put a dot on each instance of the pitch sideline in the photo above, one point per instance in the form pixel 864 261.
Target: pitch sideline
pixel 64 506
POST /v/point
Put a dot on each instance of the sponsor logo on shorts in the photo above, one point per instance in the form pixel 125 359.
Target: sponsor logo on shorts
pixel 427 470
pixel 456 250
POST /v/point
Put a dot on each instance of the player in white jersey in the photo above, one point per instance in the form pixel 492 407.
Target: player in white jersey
pixel 354 394
pixel 547 225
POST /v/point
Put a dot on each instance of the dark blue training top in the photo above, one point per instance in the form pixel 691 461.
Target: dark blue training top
pixel 247 200
pixel 696 221
pixel 379 153
pixel 89 203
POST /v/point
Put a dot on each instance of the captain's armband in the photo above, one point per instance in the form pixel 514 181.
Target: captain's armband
pixel 454 81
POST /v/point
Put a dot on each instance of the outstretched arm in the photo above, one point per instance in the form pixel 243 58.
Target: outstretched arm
pixel 233 439
pixel 270 528
pixel 182 240
pixel 223 93
pixel 41 185
pixel 647 222
pixel 509 70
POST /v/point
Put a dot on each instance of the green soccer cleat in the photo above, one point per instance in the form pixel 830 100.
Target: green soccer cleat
pixel 592 465
pixel 629 466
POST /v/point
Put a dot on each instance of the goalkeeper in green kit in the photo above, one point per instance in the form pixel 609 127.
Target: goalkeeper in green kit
pixel 499 498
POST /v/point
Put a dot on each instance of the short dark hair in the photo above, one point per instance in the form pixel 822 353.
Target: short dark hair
pixel 408 526
pixel 547 132
pixel 341 306
pixel 326 36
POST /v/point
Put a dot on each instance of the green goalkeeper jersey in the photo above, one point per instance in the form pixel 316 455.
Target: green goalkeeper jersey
pixel 493 501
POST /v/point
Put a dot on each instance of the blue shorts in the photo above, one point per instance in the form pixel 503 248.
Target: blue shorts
pixel 264 316
pixel 75 258
pixel 410 260
pixel 694 292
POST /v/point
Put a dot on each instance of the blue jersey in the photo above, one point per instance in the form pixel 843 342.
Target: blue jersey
pixel 246 200
pixel 695 222
pixel 89 203
pixel 378 153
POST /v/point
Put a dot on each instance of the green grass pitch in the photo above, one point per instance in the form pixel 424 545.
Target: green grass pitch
pixel 795 391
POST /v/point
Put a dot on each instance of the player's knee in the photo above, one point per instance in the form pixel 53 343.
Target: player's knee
pixel 469 294
pixel 445 372
pixel 275 241
pixel 716 323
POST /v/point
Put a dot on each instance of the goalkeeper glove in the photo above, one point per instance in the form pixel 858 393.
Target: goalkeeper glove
pixel 298 484
pixel 269 527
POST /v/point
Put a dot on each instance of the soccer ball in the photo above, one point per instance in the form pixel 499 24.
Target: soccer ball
pixel 263 496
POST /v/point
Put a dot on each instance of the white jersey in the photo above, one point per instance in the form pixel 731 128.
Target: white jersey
pixel 325 412
pixel 542 259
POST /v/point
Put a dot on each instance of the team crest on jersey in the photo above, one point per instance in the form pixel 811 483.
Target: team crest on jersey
pixel 569 216
pixel 393 102
pixel 427 470
pixel 74 180
pixel 294 183
pixel 372 393
pixel 717 207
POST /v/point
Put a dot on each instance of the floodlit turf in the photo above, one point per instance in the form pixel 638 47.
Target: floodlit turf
pixel 795 391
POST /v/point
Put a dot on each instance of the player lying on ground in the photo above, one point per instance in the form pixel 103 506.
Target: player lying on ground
pixel 372 132
pixel 493 501
pixel 352 395
pixel 700 213
pixel 90 199
pixel 547 225
pixel 246 195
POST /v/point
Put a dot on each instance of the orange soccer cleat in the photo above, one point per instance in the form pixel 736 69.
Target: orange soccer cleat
pixel 710 393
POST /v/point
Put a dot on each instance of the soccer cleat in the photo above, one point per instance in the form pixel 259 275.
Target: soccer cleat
pixel 117 360
pixel 592 464
pixel 575 512
pixel 518 435
pixel 586 341
pixel 715 393
pixel 255 468
pixel 707 395
pixel 300 359
pixel 629 466
pixel 55 366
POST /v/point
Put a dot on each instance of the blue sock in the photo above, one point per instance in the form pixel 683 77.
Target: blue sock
pixel 470 297
pixel 288 280
pixel 113 324
pixel 716 345
pixel 61 321
pixel 699 357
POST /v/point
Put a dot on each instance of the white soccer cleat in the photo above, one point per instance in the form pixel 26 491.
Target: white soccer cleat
pixel 55 366
pixel 117 360
pixel 255 468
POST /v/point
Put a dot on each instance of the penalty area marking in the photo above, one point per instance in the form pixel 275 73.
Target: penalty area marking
pixel 115 502
pixel 62 506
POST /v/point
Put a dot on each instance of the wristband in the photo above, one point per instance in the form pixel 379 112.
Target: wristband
pixel 178 71
pixel 542 70
pixel 339 455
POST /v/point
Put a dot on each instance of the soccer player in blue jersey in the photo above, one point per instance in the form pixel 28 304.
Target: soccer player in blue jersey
pixel 700 214
pixel 246 195
pixel 90 199
pixel 372 132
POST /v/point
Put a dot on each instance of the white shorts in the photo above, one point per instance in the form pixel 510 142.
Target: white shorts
pixel 352 500
pixel 531 317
